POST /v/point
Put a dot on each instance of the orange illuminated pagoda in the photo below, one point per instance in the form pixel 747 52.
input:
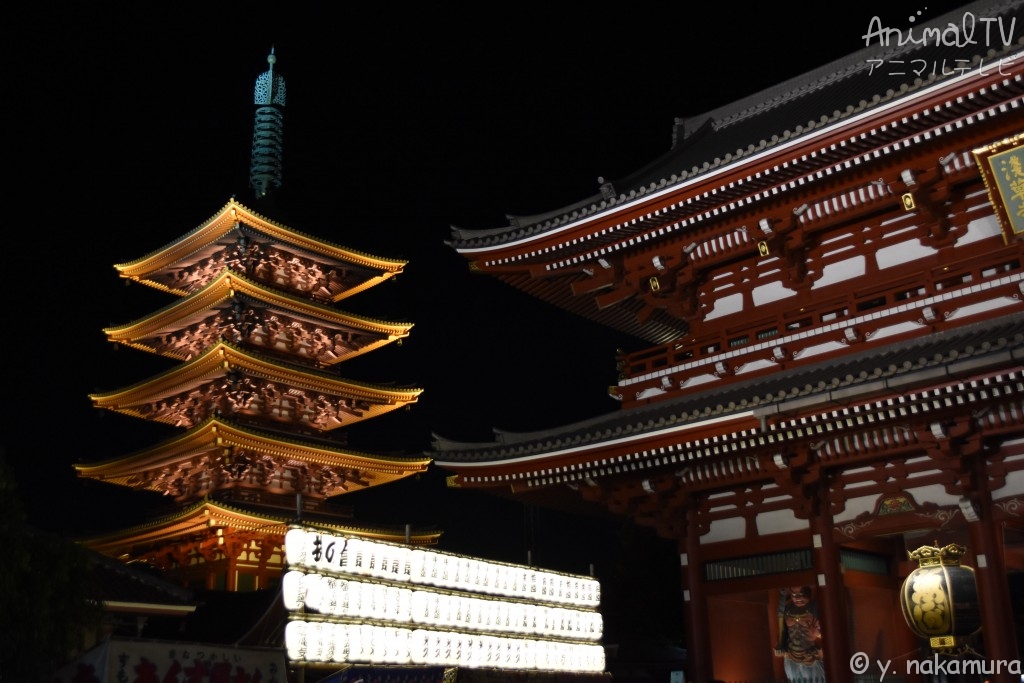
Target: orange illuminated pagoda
pixel 256 393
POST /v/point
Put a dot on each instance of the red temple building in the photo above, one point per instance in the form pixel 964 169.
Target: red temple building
pixel 826 280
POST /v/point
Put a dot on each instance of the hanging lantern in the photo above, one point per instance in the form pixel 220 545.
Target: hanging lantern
pixel 940 598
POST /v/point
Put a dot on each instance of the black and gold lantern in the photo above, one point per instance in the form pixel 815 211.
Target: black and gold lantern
pixel 940 598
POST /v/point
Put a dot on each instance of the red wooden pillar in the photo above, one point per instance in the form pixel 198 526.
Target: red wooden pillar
pixel 231 550
pixel 828 566
pixel 990 573
pixel 698 641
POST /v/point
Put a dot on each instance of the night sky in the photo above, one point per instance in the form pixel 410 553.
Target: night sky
pixel 132 125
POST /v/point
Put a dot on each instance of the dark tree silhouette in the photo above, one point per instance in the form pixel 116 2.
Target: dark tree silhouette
pixel 49 601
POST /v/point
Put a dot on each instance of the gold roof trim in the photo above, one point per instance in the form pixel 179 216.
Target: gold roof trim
pixel 230 283
pixel 224 221
pixel 217 433
pixel 191 519
pixel 206 514
pixel 224 357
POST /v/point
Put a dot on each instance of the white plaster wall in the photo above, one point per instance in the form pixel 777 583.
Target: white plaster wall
pixel 726 305
pixel 856 507
pixel 840 272
pixel 1014 486
pixel 936 493
pixel 779 521
pixel 725 530
pixel 898 254
pixel 980 229
pixel 773 291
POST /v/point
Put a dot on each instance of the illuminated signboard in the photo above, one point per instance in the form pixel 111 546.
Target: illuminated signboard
pixel 353 600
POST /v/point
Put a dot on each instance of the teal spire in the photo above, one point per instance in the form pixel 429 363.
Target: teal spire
pixel 268 131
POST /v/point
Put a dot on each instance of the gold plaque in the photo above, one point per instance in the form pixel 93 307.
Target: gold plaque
pixel 1002 168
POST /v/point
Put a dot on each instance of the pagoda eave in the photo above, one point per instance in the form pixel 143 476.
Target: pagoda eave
pixel 235 308
pixel 225 220
pixel 210 239
pixel 224 434
pixel 259 387
pixel 210 529
pixel 219 455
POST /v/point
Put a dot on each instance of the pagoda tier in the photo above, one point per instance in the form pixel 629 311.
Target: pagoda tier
pixel 225 461
pixel 266 252
pixel 253 390
pixel 210 541
pixel 234 308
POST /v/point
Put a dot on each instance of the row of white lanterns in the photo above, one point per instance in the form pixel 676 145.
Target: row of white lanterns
pixel 328 553
pixel 334 596
pixel 358 643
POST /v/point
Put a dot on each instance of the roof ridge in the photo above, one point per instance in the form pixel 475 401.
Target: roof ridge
pixel 843 67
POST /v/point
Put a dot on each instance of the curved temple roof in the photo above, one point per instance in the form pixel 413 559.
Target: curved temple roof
pixel 753 160
pixel 576 452
pixel 148 468
pixel 253 385
pixel 754 126
pixel 205 517
pixel 233 233
pixel 236 308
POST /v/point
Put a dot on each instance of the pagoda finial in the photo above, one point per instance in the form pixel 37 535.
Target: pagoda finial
pixel 268 131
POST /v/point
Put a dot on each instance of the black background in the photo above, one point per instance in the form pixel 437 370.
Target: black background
pixel 130 124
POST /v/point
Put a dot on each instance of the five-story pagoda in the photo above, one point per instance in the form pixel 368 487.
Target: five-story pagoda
pixel 257 393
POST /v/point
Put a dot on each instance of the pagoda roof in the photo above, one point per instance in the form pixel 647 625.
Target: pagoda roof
pixel 223 358
pixel 899 368
pixel 235 221
pixel 230 288
pixel 201 518
pixel 143 469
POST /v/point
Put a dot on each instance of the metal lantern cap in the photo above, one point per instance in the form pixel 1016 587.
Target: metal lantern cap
pixel 929 555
